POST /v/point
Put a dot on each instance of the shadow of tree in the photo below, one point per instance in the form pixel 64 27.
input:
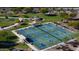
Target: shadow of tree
pixel 7 44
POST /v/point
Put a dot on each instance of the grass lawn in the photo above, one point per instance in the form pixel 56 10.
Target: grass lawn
pixel 47 18
pixel 26 24
pixel 21 45
pixel 7 35
pixel 7 22
pixel 76 35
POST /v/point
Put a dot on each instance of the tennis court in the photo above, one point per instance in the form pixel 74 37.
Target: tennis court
pixel 45 35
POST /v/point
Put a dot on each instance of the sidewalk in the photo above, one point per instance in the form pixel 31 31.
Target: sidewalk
pixel 5 28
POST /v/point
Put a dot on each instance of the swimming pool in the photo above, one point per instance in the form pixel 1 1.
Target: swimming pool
pixel 45 35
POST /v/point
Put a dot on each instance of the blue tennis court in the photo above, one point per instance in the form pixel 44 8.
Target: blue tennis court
pixel 45 35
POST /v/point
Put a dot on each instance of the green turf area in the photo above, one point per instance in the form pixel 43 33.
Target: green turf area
pixel 76 35
pixel 47 18
pixel 21 45
pixel 26 24
pixel 7 22
pixel 7 35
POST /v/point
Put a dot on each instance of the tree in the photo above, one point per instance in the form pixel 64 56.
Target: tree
pixel 74 24
pixel 17 8
pixel 73 14
pixel 64 15
pixel 43 10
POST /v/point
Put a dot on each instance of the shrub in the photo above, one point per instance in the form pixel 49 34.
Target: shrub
pixel 74 23
pixel 43 10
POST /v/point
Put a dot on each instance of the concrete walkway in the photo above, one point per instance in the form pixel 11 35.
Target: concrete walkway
pixel 11 26
pixel 13 17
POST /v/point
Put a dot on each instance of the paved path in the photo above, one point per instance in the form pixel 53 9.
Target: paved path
pixel 13 17
pixel 11 26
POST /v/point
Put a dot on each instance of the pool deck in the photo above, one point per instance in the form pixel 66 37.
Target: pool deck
pixel 22 38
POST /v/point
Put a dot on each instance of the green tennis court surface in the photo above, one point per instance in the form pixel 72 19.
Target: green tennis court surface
pixel 46 35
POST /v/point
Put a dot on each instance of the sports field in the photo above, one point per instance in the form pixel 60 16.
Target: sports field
pixel 45 35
